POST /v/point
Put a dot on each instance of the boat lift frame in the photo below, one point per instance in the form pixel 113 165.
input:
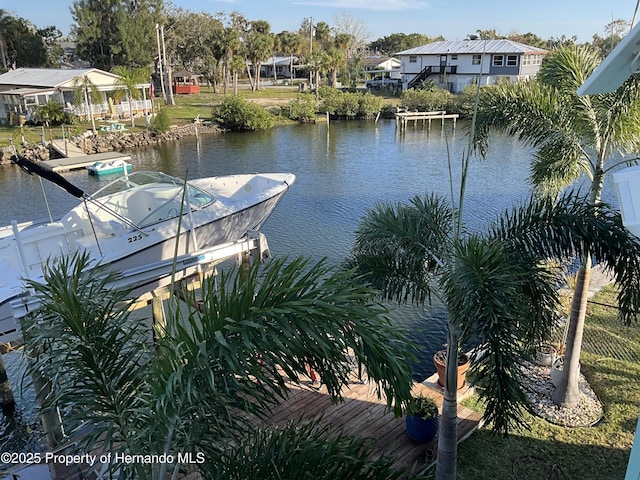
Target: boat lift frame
pixel 253 246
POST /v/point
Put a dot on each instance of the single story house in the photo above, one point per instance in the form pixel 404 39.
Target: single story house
pixel 386 66
pixel 455 64
pixel 23 90
pixel 281 65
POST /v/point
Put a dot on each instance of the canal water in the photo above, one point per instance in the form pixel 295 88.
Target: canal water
pixel 342 170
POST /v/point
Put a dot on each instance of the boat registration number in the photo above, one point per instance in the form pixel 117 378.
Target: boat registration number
pixel 135 238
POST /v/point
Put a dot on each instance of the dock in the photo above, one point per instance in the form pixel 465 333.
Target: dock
pixel 78 162
pixel 403 118
pixel 363 415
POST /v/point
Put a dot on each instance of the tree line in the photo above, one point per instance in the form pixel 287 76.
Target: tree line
pixel 219 46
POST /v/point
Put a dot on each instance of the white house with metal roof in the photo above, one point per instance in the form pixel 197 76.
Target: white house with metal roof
pixel 455 64
pixel 23 90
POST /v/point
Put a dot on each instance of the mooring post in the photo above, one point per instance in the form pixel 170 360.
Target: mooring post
pixel 7 402
pixel 157 312
pixel 48 415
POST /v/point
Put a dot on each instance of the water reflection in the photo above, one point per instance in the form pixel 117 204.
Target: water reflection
pixel 342 170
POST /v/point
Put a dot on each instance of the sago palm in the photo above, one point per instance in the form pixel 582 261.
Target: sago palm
pixel 573 137
pixel 499 288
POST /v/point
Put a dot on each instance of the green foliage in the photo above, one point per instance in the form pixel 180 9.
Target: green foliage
pixel 160 123
pixel 267 454
pixel 349 104
pixel 113 33
pixel 210 370
pixel 422 407
pixel 427 100
pixel 303 108
pixel 53 114
pixel 20 43
pixel 235 113
pixel 396 42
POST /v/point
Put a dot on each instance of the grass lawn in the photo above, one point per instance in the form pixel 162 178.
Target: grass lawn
pixel 610 361
pixel 187 107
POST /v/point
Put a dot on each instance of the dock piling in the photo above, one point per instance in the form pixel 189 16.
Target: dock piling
pixel 7 401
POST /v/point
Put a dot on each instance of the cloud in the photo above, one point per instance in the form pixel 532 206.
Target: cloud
pixel 380 5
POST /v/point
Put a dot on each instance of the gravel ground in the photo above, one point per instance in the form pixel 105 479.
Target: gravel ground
pixel 588 411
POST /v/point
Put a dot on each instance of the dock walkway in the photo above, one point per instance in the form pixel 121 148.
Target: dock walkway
pixel 363 415
pixel 403 118
pixel 75 163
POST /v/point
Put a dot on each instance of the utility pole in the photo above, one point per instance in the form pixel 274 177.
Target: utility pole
pixel 310 50
pixel 164 94
pixel 168 67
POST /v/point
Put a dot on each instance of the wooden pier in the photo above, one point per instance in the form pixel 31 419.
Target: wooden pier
pixel 79 162
pixel 363 415
pixel 403 118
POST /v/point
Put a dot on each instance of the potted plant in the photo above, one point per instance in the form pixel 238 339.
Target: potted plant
pixel 545 355
pixel 440 361
pixel 421 419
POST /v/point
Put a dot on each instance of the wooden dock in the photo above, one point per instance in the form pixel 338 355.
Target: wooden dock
pixel 403 118
pixel 363 415
pixel 78 162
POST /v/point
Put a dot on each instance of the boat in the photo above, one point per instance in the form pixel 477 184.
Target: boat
pixel 107 168
pixel 148 226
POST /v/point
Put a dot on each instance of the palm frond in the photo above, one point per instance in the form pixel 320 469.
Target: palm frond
pixel 401 248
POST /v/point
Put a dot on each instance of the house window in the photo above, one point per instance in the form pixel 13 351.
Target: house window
pixel 454 57
pixel 526 60
pixel 413 58
pixel 512 60
pixel 476 59
pixel 498 60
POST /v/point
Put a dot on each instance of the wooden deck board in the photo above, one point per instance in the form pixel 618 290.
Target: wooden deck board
pixel 363 415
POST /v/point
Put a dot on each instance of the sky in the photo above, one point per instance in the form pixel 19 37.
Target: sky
pixel 454 20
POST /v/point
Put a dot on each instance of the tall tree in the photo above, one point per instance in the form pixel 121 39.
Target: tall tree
pixel 116 32
pixel 397 42
pixel 344 22
pixel 129 79
pixel 195 41
pixel 290 45
pixel 21 45
pixel 574 137
pixel 499 287
pixel 258 46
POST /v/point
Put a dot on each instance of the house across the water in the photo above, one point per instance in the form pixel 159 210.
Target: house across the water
pixel 23 90
pixel 455 64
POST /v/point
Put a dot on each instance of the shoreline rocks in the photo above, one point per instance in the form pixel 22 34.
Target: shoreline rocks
pixel 111 142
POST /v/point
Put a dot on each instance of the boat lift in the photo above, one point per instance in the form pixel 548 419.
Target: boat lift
pixel 253 246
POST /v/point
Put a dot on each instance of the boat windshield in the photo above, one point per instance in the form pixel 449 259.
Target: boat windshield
pixel 150 197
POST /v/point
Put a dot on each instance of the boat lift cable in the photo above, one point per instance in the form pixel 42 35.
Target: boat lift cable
pixel 44 194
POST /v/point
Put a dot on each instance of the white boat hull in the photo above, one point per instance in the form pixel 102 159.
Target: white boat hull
pixel 141 252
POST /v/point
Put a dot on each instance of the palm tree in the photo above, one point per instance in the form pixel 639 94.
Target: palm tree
pixel 129 80
pixel 573 136
pixel 499 287
pixel 86 92
pixel 212 368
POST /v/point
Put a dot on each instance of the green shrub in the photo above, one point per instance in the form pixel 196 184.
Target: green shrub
pixel 303 108
pixel 160 123
pixel 52 113
pixel 428 100
pixel 235 113
pixel 349 104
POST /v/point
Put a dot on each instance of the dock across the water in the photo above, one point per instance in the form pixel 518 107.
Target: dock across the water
pixel 75 158
pixel 78 162
pixel 403 118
